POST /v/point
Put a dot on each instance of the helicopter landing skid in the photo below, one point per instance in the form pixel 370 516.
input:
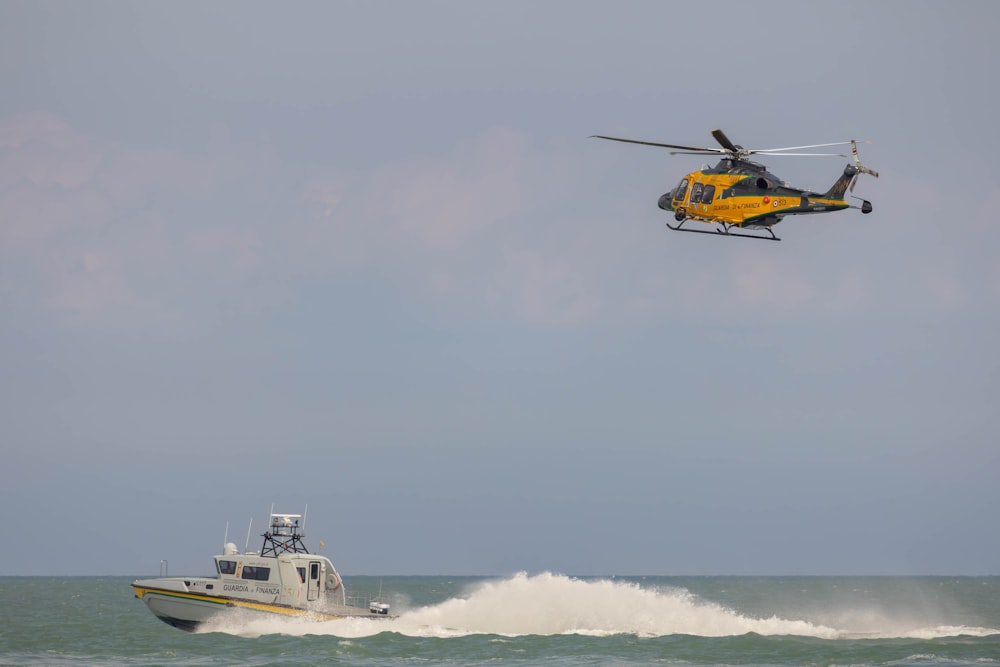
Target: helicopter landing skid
pixel 723 231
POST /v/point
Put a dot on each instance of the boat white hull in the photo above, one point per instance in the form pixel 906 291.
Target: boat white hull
pixel 187 611
pixel 182 612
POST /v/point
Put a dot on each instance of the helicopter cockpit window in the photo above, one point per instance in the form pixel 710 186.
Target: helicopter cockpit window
pixel 696 192
pixel 681 189
pixel 708 194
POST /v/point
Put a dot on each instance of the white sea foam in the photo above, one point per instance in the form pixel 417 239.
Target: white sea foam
pixel 553 604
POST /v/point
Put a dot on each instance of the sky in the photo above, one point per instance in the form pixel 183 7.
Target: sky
pixel 362 259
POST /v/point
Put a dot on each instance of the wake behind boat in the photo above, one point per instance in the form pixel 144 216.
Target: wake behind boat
pixel 283 578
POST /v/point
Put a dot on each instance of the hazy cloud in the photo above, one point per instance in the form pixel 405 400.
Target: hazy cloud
pixel 298 251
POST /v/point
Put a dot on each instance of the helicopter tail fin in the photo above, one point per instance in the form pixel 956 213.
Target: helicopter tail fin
pixel 839 188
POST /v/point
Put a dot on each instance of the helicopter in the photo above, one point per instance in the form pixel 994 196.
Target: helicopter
pixel 738 194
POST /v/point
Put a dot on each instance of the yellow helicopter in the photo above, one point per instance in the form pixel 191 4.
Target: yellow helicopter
pixel 740 194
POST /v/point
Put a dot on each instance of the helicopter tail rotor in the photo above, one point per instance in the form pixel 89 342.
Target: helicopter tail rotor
pixel 862 169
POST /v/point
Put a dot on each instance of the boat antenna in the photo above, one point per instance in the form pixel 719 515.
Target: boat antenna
pixel 304 515
pixel 246 545
pixel 225 538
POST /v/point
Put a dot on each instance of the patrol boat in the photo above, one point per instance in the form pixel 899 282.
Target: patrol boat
pixel 283 578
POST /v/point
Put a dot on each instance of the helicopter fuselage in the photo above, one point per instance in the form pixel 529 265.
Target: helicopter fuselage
pixel 745 194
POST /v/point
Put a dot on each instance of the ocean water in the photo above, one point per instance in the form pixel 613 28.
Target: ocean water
pixel 542 619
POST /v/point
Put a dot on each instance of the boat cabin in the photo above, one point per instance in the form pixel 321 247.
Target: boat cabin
pixel 283 572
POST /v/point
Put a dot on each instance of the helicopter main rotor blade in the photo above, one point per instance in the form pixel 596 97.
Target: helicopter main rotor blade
pixel 796 148
pixel 724 141
pixel 801 154
pixel 702 151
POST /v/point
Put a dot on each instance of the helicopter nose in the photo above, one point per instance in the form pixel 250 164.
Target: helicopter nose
pixel 665 202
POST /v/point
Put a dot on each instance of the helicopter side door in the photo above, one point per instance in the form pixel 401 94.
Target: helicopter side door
pixel 705 199
pixel 694 197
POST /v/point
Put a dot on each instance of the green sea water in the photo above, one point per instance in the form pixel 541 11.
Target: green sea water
pixel 537 619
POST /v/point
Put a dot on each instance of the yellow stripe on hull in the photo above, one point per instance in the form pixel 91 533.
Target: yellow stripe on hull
pixel 141 592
